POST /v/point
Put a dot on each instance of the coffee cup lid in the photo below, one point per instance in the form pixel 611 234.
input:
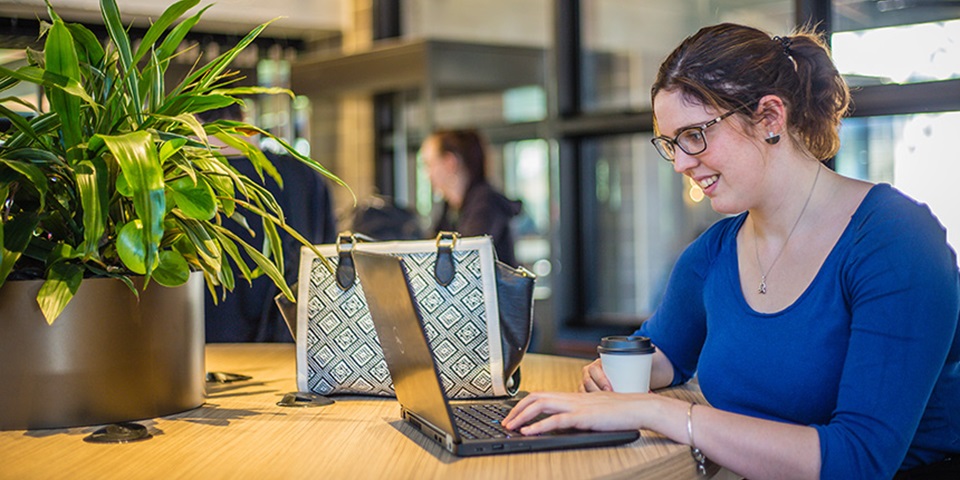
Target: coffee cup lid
pixel 619 344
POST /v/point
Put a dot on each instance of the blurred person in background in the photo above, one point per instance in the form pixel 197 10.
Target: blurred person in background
pixel 456 165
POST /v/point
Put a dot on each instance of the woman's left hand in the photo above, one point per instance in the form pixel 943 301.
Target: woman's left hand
pixel 585 411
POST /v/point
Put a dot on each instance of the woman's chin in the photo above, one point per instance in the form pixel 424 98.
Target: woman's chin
pixel 723 208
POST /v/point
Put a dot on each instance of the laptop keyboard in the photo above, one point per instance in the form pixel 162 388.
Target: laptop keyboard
pixel 482 420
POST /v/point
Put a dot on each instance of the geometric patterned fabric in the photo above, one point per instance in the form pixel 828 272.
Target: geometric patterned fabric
pixel 344 353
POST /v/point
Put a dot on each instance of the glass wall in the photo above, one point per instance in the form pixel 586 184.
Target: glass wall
pixel 636 214
pixel 645 215
pixel 624 41
pixel 911 53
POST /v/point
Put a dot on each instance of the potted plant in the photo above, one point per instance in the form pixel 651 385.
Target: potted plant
pixel 117 180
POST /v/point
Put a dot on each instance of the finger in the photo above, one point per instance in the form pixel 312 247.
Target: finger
pixel 520 417
pixel 520 407
pixel 545 403
pixel 549 424
pixel 595 380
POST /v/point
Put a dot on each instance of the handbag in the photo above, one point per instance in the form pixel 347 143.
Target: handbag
pixel 477 315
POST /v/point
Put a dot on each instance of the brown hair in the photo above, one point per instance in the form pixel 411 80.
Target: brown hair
pixel 468 146
pixel 729 66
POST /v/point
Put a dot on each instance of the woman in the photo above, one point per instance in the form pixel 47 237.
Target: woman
pixel 821 319
pixel 456 164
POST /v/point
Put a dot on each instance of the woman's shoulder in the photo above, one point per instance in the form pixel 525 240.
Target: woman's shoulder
pixel 890 221
pixel 888 207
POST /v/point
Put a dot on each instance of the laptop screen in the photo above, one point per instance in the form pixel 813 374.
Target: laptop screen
pixel 405 348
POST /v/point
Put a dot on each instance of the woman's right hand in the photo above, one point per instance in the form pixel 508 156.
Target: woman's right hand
pixel 594 380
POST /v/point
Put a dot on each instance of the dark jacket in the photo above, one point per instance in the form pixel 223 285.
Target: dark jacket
pixel 484 212
pixel 249 313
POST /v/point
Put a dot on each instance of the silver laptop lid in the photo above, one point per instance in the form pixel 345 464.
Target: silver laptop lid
pixel 399 329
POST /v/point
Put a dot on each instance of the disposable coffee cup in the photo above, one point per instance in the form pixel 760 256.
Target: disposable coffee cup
pixel 627 362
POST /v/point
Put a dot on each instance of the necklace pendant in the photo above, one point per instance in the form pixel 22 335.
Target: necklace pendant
pixel 763 288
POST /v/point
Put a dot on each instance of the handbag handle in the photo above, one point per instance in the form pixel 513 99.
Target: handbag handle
pixel 444 268
pixel 346 271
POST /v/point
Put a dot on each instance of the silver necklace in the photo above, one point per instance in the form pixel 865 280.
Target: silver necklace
pixel 762 289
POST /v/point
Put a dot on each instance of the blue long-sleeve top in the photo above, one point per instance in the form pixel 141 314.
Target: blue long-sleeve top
pixel 868 355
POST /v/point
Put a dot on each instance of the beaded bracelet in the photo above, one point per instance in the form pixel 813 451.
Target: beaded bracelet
pixel 700 458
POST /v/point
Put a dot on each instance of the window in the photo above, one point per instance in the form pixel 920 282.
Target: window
pixel 915 153
pixel 645 214
pixel 624 41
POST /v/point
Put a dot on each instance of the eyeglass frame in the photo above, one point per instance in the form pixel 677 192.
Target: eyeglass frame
pixel 702 127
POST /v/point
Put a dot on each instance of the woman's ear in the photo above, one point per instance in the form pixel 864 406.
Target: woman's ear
pixel 771 117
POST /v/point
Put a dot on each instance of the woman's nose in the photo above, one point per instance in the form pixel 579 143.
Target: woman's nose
pixel 683 162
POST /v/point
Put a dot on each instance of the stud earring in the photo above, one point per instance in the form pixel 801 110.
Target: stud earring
pixel 772 138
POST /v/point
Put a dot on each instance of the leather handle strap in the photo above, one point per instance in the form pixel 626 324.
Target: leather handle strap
pixel 444 268
pixel 346 271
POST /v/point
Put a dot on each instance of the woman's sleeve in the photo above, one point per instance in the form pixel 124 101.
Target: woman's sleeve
pixel 678 327
pixel 901 286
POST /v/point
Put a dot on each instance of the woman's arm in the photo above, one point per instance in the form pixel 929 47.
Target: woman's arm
pixel 748 446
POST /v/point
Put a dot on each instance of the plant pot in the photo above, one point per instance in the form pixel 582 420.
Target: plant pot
pixel 108 358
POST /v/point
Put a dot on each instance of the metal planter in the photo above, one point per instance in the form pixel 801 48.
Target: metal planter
pixel 108 358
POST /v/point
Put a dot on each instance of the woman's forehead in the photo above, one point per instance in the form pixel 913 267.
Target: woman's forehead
pixel 673 111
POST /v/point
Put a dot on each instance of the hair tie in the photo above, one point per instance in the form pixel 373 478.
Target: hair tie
pixel 785 43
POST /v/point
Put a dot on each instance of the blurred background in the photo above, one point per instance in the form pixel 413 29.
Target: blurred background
pixel 560 88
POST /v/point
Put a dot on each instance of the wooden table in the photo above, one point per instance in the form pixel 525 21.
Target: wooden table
pixel 241 433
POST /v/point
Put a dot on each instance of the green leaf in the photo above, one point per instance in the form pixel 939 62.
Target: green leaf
pixel 173 39
pixel 167 149
pixel 268 267
pixel 173 270
pixel 130 248
pixel 124 188
pixel 195 199
pixel 138 159
pixel 226 192
pixel 272 247
pixel 255 91
pixel 211 72
pixel 260 161
pixel 60 55
pixel 35 177
pixel 42 158
pixel 207 250
pixel 114 24
pixel 88 42
pixel 189 121
pixel 21 123
pixel 63 281
pixel 4 271
pixel 91 180
pixel 152 85
pixel 49 80
pixel 191 103
pixel 170 15
pixel 230 247
pixel 18 231
pixel 15 235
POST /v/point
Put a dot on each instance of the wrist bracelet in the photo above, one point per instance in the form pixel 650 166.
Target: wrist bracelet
pixel 698 456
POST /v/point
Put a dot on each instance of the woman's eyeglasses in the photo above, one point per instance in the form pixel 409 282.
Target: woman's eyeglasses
pixel 690 140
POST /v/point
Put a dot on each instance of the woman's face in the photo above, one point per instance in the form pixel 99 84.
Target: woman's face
pixel 441 167
pixel 730 170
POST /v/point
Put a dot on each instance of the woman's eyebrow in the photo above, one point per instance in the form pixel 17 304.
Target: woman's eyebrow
pixel 692 125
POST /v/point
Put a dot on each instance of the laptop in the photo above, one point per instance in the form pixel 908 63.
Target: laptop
pixel 464 428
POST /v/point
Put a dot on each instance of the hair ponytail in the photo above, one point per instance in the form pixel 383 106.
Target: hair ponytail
pixel 824 98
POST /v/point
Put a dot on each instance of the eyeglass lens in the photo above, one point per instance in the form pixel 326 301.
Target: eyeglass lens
pixel 691 141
